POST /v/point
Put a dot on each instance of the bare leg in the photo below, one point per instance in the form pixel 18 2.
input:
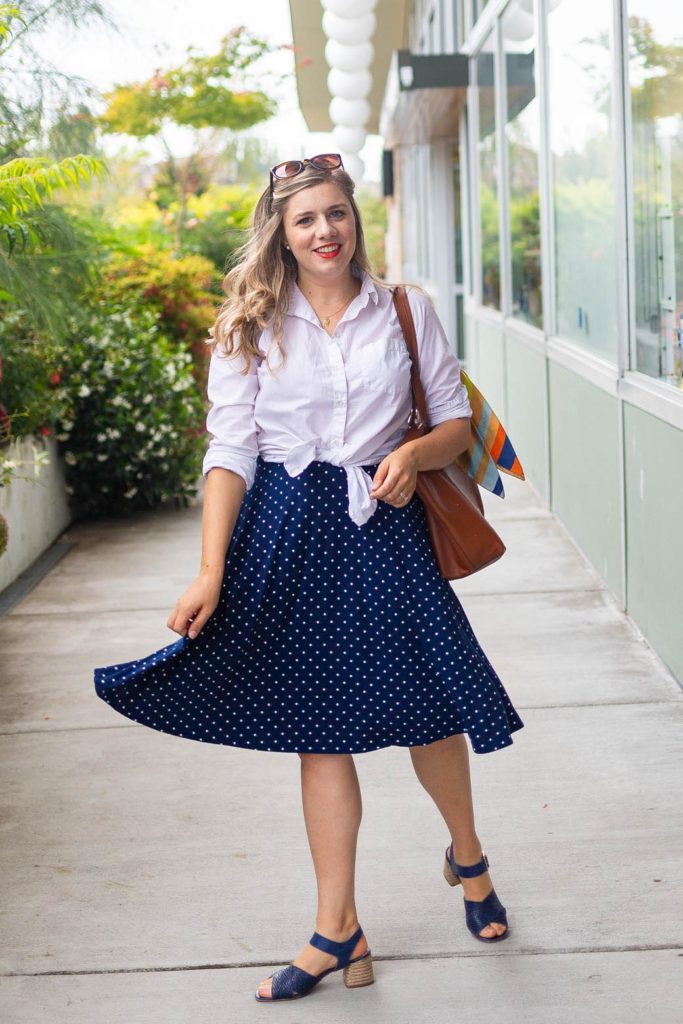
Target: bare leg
pixel 443 768
pixel 332 811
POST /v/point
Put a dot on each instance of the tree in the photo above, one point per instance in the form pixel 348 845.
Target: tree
pixel 205 92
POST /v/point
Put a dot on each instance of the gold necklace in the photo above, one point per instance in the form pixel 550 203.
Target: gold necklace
pixel 325 320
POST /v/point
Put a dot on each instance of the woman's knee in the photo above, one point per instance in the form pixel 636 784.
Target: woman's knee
pixel 325 760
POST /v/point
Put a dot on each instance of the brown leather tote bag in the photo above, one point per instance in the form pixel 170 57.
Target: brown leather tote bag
pixel 462 540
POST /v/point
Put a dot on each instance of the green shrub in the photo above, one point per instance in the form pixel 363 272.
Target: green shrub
pixel 29 374
pixel 182 290
pixel 132 415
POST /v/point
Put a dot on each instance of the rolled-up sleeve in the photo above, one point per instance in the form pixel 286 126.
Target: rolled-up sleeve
pixel 445 394
pixel 230 421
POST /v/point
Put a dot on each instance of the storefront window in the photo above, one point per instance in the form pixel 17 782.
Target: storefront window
pixel 488 177
pixel 522 131
pixel 581 142
pixel 656 85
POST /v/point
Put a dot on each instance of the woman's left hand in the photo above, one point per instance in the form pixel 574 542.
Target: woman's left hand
pixel 395 477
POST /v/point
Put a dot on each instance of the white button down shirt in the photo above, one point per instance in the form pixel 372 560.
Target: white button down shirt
pixel 343 398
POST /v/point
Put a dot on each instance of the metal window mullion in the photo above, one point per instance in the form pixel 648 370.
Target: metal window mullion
pixel 625 270
pixel 545 173
pixel 629 279
pixel 464 156
pixel 473 124
pixel 545 197
pixel 500 99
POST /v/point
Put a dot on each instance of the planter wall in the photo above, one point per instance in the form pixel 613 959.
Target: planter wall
pixel 36 510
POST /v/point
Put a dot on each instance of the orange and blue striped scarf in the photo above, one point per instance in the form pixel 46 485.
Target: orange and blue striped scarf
pixel 490 448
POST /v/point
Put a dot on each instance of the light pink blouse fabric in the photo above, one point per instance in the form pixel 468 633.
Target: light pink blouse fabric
pixel 343 399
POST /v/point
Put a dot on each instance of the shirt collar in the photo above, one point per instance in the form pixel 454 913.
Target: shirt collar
pixel 300 306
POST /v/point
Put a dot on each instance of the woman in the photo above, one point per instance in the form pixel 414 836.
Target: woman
pixel 318 622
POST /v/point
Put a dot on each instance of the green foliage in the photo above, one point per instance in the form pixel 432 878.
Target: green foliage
pixel 218 222
pixel 374 216
pixel 4 535
pixel 177 289
pixel 131 415
pixel 199 93
pixel 29 377
pixel 25 183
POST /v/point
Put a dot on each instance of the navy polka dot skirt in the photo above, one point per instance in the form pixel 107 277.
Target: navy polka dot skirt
pixel 328 637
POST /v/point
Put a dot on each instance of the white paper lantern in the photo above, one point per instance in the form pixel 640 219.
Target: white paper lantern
pixel 354 113
pixel 349 8
pixel 349 58
pixel 349 30
pixel 349 140
pixel 350 85
pixel 519 26
pixel 354 166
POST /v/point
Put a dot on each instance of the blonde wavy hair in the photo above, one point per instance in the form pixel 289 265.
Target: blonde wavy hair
pixel 257 288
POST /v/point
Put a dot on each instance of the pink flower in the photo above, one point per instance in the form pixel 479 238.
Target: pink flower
pixel 55 377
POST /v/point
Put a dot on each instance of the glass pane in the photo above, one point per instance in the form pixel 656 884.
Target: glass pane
pixel 522 136
pixel 488 178
pixel 656 84
pixel 581 139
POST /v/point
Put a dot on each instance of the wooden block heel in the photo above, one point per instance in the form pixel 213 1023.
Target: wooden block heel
pixel 359 972
pixel 449 874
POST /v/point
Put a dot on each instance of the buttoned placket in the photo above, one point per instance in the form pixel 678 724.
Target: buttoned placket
pixel 332 374
pixel 339 390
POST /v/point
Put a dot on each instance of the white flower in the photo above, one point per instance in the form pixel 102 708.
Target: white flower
pixel 83 391
pixel 117 400
pixel 108 368
pixel 140 427
pixel 101 438
pixel 102 457
pixel 147 399
pixel 113 433
pixel 70 459
pixel 131 492
pixel 9 464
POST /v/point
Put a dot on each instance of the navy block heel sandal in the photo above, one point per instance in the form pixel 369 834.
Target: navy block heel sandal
pixel 293 982
pixel 478 913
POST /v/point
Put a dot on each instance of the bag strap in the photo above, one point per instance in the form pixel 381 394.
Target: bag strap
pixel 418 414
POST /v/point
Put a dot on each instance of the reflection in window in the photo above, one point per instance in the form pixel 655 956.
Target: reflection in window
pixel 581 138
pixel 656 83
pixel 488 178
pixel 522 137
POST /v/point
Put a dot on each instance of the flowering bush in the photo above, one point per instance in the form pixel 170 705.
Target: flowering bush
pixel 178 288
pixel 131 414
pixel 28 373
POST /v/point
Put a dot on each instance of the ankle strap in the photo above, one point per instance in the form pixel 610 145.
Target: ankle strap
pixel 342 950
pixel 469 870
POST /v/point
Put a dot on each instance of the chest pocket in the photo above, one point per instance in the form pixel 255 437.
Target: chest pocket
pixel 385 365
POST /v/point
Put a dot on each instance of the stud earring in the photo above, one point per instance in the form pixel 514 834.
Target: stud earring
pixel 287 246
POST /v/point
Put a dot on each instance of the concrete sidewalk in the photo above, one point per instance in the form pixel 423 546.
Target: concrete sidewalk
pixel 154 879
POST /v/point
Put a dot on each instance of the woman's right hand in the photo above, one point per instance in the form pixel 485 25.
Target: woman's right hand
pixel 196 605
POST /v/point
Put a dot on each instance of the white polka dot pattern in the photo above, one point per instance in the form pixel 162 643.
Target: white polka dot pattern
pixel 328 637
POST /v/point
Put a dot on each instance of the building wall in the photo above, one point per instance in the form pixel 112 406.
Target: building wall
pixel 654 554
pixel 571 331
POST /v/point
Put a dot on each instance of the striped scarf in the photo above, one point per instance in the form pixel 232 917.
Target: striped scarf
pixel 490 448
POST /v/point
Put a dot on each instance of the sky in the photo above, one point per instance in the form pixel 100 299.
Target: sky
pixel 155 33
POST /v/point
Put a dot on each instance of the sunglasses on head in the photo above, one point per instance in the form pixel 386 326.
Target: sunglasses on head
pixel 290 168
